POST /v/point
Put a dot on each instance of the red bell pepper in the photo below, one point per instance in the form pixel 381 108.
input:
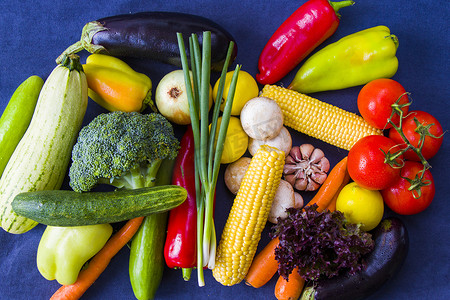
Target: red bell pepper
pixel 310 25
pixel 180 249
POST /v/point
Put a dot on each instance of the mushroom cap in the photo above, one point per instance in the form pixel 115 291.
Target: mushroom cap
pixel 283 141
pixel 284 198
pixel 262 118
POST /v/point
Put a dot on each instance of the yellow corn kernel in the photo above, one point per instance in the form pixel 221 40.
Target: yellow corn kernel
pixel 248 216
pixel 318 119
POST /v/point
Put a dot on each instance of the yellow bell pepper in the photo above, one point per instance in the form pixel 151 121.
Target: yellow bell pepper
pixel 63 251
pixel 115 86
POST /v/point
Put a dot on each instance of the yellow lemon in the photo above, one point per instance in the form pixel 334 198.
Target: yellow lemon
pixel 361 205
pixel 236 141
pixel 246 89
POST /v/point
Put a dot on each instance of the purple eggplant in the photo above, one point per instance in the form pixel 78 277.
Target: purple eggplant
pixel 391 247
pixel 151 35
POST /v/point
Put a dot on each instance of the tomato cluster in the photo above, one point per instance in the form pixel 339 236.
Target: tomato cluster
pixel 395 164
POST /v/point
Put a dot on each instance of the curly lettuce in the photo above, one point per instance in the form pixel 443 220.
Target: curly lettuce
pixel 320 244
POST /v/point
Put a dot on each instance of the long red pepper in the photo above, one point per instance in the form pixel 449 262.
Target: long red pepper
pixel 180 249
pixel 310 25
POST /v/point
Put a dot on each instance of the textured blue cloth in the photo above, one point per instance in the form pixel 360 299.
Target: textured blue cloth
pixel 34 33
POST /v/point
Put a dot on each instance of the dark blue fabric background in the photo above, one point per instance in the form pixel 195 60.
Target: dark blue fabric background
pixel 34 33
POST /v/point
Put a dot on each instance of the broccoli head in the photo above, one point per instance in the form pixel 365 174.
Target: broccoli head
pixel 122 149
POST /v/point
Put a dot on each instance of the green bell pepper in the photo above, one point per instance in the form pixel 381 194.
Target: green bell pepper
pixel 63 251
pixel 353 60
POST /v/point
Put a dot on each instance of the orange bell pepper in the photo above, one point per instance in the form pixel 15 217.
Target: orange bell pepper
pixel 115 86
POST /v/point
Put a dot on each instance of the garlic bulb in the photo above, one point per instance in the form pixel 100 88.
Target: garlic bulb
pixel 306 167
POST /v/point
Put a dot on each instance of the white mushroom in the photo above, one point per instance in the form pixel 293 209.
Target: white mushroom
pixel 261 118
pixel 235 172
pixel 283 141
pixel 298 200
pixel 284 198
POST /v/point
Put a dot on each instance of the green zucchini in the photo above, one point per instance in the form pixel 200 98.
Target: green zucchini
pixel 17 116
pixel 69 208
pixel 42 156
pixel 147 262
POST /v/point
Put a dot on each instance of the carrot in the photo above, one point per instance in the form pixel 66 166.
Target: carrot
pixel 290 289
pixel 99 262
pixel 332 205
pixel 264 266
pixel 331 186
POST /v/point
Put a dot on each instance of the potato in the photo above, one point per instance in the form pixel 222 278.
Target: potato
pixel 235 172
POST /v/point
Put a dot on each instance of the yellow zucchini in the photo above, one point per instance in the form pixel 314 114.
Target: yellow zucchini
pixel 42 156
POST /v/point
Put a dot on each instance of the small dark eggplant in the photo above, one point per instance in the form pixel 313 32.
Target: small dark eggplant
pixel 391 247
pixel 151 35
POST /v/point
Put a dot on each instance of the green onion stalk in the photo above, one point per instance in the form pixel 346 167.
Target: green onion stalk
pixel 207 152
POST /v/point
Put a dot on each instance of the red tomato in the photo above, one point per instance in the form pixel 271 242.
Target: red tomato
pixel 366 166
pixel 400 200
pixel 430 146
pixel 375 100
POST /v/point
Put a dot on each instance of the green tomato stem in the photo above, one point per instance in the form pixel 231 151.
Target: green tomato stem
pixel 397 109
pixel 417 183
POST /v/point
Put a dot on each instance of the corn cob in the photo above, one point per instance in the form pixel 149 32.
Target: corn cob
pixel 318 119
pixel 248 216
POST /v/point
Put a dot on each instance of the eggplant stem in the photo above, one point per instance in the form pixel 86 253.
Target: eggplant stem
pixel 85 43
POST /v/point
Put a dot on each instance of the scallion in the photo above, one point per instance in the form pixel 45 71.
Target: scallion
pixel 208 149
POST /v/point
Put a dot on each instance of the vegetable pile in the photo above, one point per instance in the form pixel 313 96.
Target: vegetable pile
pixel 164 190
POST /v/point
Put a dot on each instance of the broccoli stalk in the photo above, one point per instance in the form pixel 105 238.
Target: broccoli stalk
pixel 121 149
pixel 143 175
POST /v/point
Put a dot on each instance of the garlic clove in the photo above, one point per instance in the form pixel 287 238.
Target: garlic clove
pixel 290 160
pixel 296 154
pixel 319 177
pixel 289 168
pixel 300 184
pixel 324 165
pixel 306 151
pixel 316 156
pixel 291 179
pixel 311 185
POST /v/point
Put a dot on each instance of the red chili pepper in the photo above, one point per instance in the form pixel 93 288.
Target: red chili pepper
pixel 310 25
pixel 180 249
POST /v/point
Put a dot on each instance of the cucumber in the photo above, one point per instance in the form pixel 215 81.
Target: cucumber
pixel 42 156
pixel 69 208
pixel 17 116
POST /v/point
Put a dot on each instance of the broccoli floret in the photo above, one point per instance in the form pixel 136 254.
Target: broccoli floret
pixel 121 149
